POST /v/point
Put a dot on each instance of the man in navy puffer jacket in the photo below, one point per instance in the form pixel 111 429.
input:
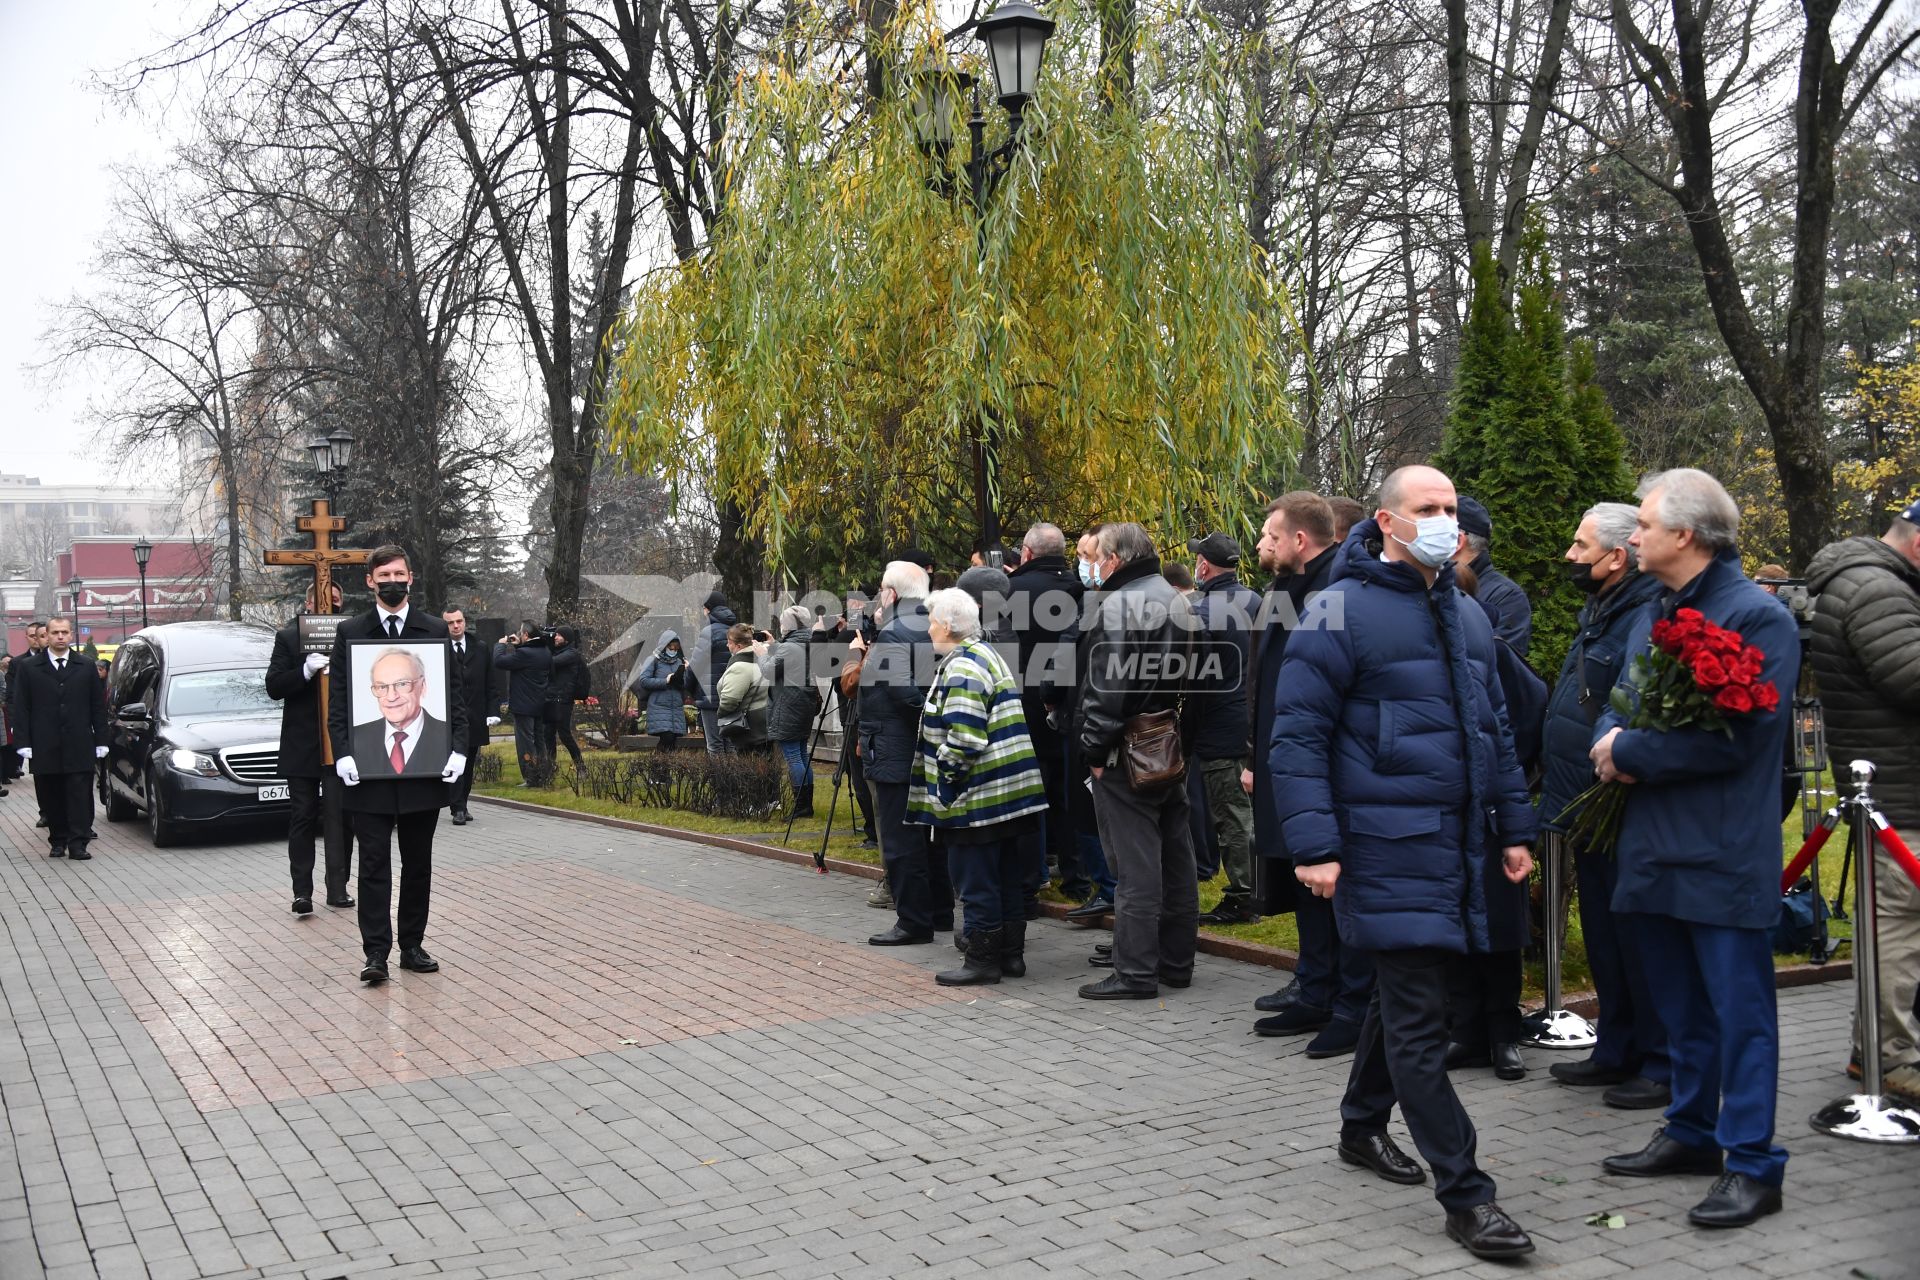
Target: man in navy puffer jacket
pixel 1699 863
pixel 1395 778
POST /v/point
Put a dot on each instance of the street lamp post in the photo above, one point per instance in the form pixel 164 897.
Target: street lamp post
pixel 1015 34
pixel 142 552
pixel 332 455
pixel 73 600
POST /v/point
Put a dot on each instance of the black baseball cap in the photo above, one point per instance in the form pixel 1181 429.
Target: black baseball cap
pixel 1474 518
pixel 1218 549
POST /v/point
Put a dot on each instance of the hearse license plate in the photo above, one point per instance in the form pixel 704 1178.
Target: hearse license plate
pixel 273 793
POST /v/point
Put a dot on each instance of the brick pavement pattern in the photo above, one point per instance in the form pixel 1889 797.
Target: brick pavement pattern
pixel 195 1086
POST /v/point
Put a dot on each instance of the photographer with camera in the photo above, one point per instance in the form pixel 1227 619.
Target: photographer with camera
pixel 527 658
pixel 1866 658
pixel 567 683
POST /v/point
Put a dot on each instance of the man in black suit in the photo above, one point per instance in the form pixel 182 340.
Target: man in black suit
pixel 408 807
pixel 293 680
pixel 36 644
pixel 475 661
pixel 62 730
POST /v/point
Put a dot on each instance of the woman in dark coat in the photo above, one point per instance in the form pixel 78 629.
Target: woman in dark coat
pixel 662 686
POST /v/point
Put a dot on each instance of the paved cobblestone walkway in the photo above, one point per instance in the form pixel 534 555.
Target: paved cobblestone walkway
pixel 645 1057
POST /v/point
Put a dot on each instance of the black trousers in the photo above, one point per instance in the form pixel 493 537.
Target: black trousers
pixel 555 731
pixel 1402 1058
pixel 463 785
pixel 316 809
pixel 66 802
pixel 375 832
pixel 1483 998
pixel 857 783
pixel 529 740
pixel 922 889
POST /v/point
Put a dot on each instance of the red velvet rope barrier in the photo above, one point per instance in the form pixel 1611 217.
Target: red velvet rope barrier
pixel 1828 821
pixel 1897 848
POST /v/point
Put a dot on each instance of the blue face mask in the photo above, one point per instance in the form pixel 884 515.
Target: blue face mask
pixel 1435 539
pixel 1088 578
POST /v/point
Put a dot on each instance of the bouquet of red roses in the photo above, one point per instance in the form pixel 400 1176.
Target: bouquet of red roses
pixel 1695 676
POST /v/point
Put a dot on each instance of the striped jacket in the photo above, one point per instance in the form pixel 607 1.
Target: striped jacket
pixel 975 765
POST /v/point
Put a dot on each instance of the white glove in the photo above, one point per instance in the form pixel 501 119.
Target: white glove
pixel 349 774
pixel 492 721
pixel 316 663
pixel 26 753
pixel 99 753
pixel 456 765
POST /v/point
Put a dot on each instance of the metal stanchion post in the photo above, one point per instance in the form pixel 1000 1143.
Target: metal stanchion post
pixel 1551 1027
pixel 1867 1116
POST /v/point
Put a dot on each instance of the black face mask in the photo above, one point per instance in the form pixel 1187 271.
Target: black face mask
pixel 1580 574
pixel 392 594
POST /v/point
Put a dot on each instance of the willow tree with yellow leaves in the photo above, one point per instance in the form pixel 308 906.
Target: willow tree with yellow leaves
pixel 832 359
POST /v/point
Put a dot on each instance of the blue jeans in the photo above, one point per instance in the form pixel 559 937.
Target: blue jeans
pixel 799 767
pixel 1715 998
pixel 991 880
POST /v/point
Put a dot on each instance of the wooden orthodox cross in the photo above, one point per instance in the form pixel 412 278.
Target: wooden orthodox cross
pixel 324 557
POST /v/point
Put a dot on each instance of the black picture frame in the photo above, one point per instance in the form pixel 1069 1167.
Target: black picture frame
pixel 429 725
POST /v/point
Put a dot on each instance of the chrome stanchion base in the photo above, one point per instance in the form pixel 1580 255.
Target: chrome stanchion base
pixel 1556 1029
pixel 1866 1117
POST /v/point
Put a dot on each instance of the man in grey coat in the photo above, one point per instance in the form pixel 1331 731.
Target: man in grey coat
pixel 1135 638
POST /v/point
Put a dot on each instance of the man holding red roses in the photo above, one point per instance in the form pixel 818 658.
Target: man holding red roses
pixel 1698 840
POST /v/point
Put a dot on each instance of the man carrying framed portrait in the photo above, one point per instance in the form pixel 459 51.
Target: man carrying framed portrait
pixel 396 715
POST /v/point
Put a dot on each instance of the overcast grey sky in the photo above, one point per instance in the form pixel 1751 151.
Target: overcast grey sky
pixel 57 139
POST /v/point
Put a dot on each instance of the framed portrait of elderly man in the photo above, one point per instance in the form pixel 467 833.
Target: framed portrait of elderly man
pixel 398 711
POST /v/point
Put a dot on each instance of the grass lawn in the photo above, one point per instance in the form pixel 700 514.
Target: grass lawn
pixel 844 845
pixel 1274 931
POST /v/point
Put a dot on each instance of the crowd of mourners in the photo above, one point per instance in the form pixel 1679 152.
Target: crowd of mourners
pixel 1351 731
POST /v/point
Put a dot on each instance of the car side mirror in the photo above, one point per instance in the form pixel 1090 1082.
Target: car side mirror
pixel 135 711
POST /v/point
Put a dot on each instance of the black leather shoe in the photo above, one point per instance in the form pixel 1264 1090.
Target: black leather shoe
pixel 1587 1074
pixel 56 851
pixel 1113 987
pixel 461 817
pixel 1103 948
pixel 303 906
pixel 1461 1055
pixel 1663 1157
pixel 1101 959
pixel 1091 910
pixel 1376 1151
pixel 1279 1000
pixel 1177 982
pixel 77 853
pixel 1487 1232
pixel 1735 1201
pixel 869 842
pixel 40 823
pixel 1337 1039
pixel 417 959
pixel 1225 914
pixel 898 937
pixel 1638 1094
pixel 1293 1020
pixel 375 971
pixel 1507 1062
pixel 339 902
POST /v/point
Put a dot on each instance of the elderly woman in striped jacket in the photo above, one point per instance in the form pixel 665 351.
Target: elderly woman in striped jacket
pixel 977 784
